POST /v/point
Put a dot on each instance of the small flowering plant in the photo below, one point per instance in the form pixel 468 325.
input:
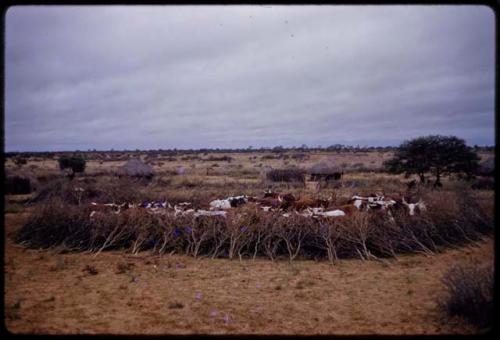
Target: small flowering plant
pixel 176 233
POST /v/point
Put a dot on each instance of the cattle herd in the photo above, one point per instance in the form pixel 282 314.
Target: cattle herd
pixel 287 204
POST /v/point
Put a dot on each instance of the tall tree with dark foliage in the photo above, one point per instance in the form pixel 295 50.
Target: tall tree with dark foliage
pixel 435 154
pixel 76 164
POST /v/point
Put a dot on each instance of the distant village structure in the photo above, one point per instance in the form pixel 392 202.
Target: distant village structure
pixel 135 167
pixel 325 172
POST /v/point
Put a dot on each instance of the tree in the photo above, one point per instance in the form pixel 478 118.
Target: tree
pixel 439 155
pixel 19 161
pixel 76 164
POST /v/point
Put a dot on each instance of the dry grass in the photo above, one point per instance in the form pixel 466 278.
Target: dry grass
pixel 178 294
pixel 470 293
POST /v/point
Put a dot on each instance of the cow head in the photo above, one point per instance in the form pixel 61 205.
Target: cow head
pixel 414 207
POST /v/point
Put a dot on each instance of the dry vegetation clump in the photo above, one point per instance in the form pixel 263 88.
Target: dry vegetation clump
pixel 248 232
pixel 469 293
pixel 103 190
pixel 190 158
pixel 458 216
pixel 300 156
pixel 218 159
pixel 484 183
pixel 55 223
pixel 125 189
pixel 19 185
pixel 360 167
pixel 269 157
pixel 286 175
pixel 54 188
pixel 47 177
pixel 188 181
pixel 246 173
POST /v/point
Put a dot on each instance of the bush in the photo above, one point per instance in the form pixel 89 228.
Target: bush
pixel 18 185
pixel 469 293
pixel 266 157
pixel 113 189
pixel 20 161
pixel 483 184
pixel 76 164
pixel 218 159
pixel 286 175
pixel 56 223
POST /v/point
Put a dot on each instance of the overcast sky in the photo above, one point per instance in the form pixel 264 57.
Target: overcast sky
pixel 128 77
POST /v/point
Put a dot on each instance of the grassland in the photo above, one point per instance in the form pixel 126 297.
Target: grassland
pixel 47 292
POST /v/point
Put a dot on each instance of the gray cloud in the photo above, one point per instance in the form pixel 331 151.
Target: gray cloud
pixel 232 76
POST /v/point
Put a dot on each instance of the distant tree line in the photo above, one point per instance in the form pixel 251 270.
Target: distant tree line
pixel 175 151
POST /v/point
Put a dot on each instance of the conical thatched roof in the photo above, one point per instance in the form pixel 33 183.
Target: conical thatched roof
pixel 136 167
pixel 324 168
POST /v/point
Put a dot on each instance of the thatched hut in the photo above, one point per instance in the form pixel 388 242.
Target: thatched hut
pixel 265 169
pixel 135 167
pixel 325 171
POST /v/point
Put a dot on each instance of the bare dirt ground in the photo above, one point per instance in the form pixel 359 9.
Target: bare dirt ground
pixel 48 293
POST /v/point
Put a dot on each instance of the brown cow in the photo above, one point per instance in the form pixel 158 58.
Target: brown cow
pixel 287 201
pixel 270 202
pixel 349 209
pixel 271 194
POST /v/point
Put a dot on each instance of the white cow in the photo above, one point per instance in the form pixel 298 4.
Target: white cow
pixel 209 213
pixel 411 206
pixel 220 204
pixel 332 213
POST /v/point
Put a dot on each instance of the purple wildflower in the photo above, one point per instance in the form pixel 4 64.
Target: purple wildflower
pixel 243 229
pixel 226 319
pixel 214 312
pixel 189 230
pixel 177 233
pixel 258 285
pixel 197 296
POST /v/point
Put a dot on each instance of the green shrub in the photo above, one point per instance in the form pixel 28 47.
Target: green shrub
pixel 75 164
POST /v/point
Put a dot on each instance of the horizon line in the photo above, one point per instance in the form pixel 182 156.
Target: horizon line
pixel 333 147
